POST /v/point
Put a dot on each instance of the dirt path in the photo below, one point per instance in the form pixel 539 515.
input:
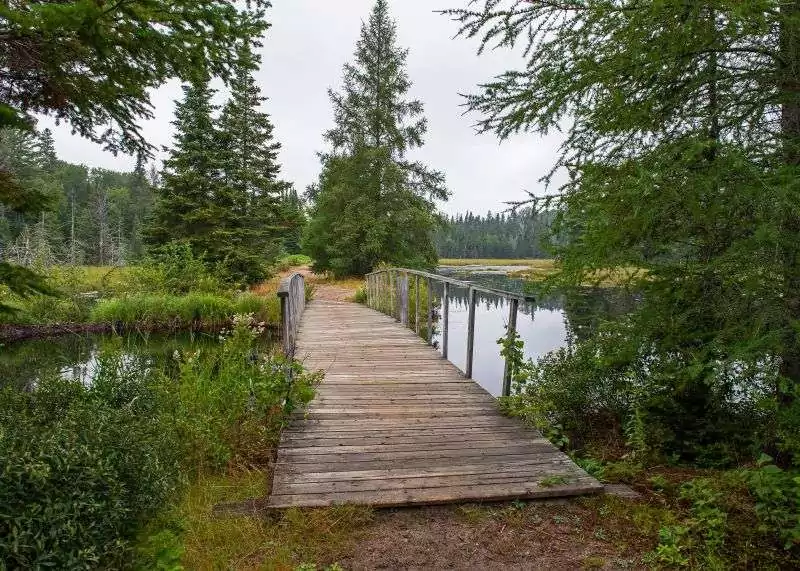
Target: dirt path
pixel 546 536
pixel 329 289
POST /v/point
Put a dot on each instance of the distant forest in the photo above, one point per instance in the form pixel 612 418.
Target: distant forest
pixel 521 234
pixel 94 216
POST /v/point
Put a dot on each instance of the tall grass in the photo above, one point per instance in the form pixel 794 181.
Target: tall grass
pixel 184 311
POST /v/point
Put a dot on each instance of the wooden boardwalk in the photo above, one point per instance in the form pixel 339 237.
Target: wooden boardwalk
pixel 394 424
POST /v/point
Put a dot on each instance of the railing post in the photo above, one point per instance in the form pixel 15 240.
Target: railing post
pixel 371 291
pixel 292 293
pixel 393 294
pixel 508 373
pixel 388 297
pixel 416 310
pixel 445 317
pixel 404 305
pixel 430 311
pixel 470 333
pixel 285 322
pixel 384 291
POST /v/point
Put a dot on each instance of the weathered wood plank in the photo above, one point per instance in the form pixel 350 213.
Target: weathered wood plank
pixel 406 472
pixel 440 495
pixel 418 446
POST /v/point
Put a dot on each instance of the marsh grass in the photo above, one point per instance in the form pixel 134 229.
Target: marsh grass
pixel 538 269
pixel 184 311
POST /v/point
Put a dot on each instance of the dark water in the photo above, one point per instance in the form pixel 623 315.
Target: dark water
pixel 76 356
pixel 544 325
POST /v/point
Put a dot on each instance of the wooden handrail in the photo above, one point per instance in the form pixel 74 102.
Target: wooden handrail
pixel 292 293
pixel 387 291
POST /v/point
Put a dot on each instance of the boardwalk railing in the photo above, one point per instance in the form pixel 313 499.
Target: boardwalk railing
pixel 292 293
pixel 388 292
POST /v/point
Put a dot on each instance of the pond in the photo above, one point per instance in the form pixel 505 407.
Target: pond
pixel 544 325
pixel 75 357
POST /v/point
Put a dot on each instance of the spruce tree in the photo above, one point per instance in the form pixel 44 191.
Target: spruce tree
pixel 371 204
pixel 141 198
pixel 250 169
pixel 186 209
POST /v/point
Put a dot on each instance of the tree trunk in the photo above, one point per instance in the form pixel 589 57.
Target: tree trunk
pixel 790 127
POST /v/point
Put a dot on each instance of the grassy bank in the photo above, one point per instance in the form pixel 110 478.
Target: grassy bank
pixel 102 474
pixel 176 292
pixel 200 309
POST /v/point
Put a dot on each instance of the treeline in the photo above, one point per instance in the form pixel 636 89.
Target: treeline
pixel 219 192
pixel 93 216
pixel 520 234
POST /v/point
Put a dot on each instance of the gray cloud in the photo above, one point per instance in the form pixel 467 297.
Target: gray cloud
pixel 303 55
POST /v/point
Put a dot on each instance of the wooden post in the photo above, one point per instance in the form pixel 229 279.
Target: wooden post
pixel 512 329
pixel 387 292
pixel 430 311
pixel 470 333
pixel 445 317
pixel 291 292
pixel 392 296
pixel 416 310
pixel 404 305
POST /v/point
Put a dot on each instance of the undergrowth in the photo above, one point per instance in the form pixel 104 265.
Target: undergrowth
pixel 92 473
pixel 287 541
pixel 722 508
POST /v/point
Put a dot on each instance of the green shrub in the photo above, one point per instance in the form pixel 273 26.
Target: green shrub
pixel 360 296
pixel 174 269
pixel 292 261
pixel 86 470
pixel 82 467
pixel 265 309
pixel 777 495
pixel 45 309
pixel 231 401
pixel 201 308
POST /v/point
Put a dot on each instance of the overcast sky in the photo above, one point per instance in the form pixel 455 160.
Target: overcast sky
pixel 303 54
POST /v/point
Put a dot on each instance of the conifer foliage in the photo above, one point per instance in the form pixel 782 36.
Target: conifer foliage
pixel 221 193
pixel 371 204
pixel 186 205
pixel 684 155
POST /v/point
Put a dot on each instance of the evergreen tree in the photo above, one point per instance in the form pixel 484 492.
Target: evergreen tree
pixel 185 208
pixel 371 204
pixel 294 220
pixel 684 155
pixel 47 151
pixel 94 64
pixel 250 167
pixel 141 198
